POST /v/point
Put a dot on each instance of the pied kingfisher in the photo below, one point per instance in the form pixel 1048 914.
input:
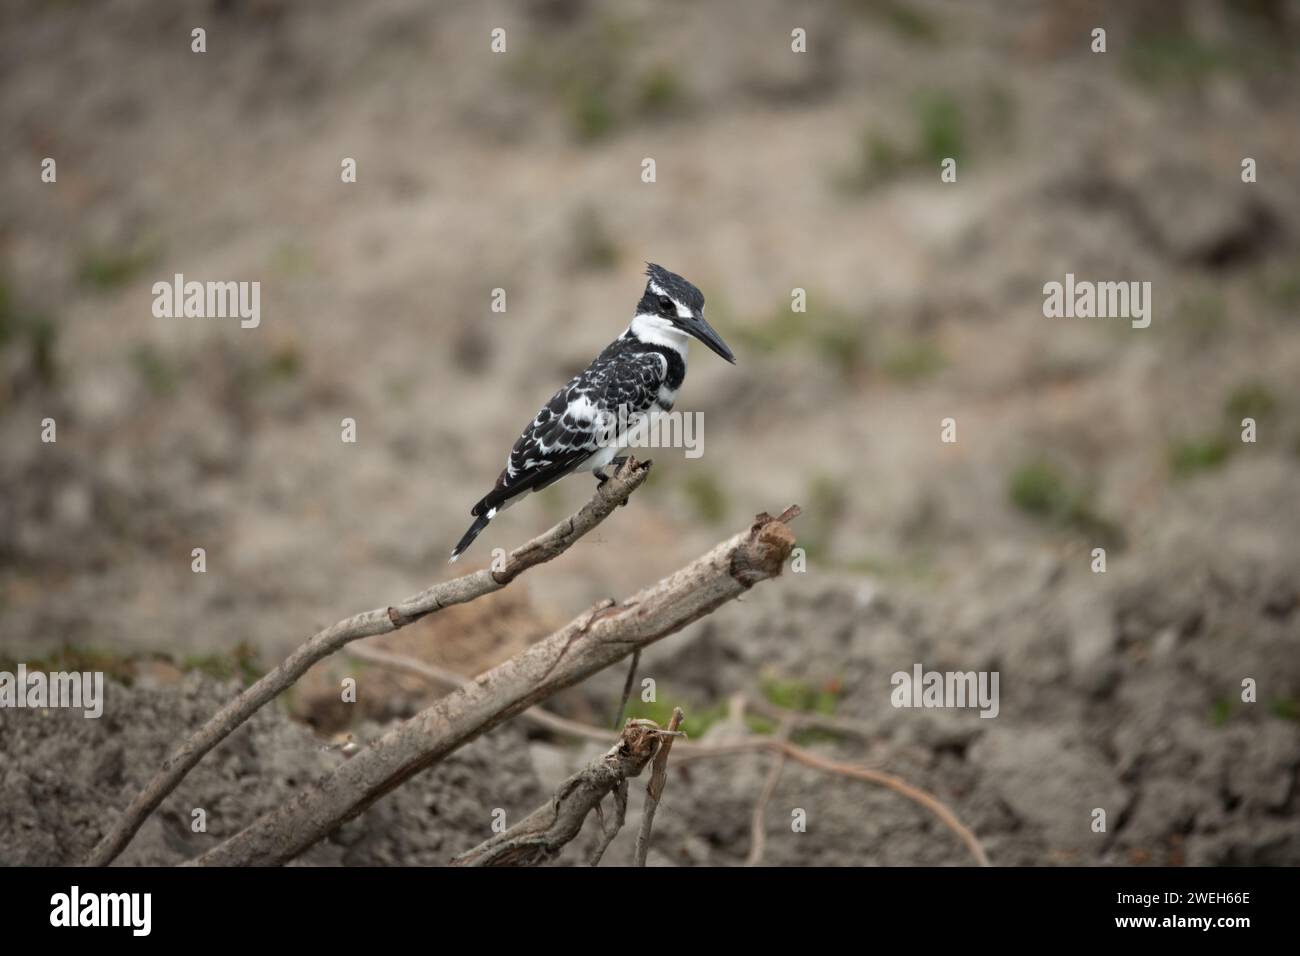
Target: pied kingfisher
pixel 640 371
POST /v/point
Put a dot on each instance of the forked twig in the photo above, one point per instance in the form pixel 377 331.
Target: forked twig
pixel 542 834
pixel 758 833
pixel 655 788
pixel 627 687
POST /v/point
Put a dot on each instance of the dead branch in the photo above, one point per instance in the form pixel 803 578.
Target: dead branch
pixel 758 833
pixel 810 759
pixel 450 679
pixel 610 830
pixel 800 720
pixel 378 621
pixel 596 639
pixel 627 687
pixel 696 751
pixel 542 834
pixel 655 788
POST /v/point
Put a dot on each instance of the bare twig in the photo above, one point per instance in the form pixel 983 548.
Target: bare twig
pixel 758 833
pixel 602 636
pixel 543 833
pixel 899 786
pixel 696 751
pixel 655 788
pixel 378 621
pixel 627 687
pixel 799 720
pixel 450 679
pixel 610 830
pixel 810 759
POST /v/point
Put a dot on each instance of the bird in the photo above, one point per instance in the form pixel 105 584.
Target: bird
pixel 639 372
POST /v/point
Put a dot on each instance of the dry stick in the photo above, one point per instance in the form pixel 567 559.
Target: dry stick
pixel 694 751
pixel 809 759
pixel 602 636
pixel 627 687
pixel 610 830
pixel 655 789
pixel 440 675
pixel 758 834
pixel 898 785
pixel 542 834
pixel 804 721
pixel 378 621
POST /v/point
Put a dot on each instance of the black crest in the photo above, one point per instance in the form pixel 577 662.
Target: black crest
pixel 672 284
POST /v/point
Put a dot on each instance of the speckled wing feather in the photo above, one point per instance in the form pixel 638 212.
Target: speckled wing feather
pixel 567 430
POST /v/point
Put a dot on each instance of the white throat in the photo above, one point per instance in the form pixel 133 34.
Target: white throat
pixel 656 330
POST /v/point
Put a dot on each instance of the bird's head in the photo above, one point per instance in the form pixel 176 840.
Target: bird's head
pixel 672 303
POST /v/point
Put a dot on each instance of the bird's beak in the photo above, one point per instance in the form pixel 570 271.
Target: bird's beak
pixel 697 327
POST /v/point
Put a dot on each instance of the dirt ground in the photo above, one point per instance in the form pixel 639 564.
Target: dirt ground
pixel 1119 690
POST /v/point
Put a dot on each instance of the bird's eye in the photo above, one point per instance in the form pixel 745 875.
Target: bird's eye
pixel 666 304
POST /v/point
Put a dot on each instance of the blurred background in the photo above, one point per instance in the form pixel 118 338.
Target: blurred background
pixel 775 171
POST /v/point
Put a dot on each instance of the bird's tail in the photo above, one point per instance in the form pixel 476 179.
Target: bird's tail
pixel 475 529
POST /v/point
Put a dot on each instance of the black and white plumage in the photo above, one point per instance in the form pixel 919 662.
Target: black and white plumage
pixel 640 371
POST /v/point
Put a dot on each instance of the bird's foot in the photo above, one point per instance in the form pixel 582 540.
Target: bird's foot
pixel 603 475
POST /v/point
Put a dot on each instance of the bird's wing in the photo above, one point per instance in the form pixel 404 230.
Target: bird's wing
pixel 634 384
pixel 560 436
pixel 569 427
